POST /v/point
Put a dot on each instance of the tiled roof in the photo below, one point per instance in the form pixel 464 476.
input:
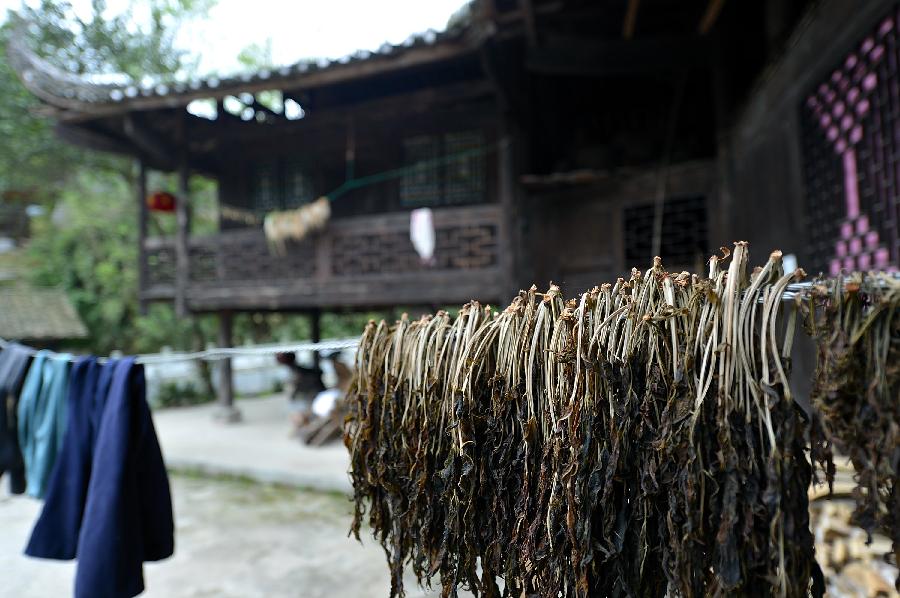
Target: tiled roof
pixel 70 91
pixel 28 313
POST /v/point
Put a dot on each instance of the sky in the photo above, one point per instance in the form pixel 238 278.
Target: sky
pixel 297 28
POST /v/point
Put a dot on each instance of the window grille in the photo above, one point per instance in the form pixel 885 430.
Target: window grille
pixel 451 182
pixel 851 157
pixel 421 185
pixel 685 237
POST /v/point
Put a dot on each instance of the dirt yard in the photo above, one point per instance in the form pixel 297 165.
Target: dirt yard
pixel 234 539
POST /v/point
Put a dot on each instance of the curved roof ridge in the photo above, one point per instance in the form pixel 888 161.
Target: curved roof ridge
pixel 83 93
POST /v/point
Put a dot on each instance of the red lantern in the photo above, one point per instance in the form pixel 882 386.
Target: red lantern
pixel 161 201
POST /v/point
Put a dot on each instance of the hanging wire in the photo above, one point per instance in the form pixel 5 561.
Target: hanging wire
pixel 215 354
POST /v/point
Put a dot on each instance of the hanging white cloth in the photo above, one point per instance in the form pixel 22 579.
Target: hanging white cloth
pixel 421 233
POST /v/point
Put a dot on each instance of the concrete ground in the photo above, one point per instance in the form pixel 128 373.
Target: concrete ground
pixel 234 540
pixel 240 538
pixel 259 447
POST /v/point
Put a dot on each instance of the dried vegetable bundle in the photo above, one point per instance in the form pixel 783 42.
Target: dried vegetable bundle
pixel 638 441
pixel 856 391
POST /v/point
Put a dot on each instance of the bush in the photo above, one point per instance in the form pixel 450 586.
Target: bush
pixel 179 394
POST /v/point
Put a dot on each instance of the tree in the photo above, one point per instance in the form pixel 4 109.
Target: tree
pixel 86 243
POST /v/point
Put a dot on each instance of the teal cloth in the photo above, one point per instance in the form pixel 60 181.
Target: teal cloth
pixel 42 418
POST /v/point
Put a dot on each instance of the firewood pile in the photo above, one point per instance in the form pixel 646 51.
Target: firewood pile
pixel 852 567
pixel 641 440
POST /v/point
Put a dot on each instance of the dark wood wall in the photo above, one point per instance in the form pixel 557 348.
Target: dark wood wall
pixel 761 159
pixel 582 234
pixel 377 146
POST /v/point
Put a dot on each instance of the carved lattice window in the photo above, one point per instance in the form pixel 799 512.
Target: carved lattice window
pixel 464 182
pixel 421 184
pixel 264 187
pixel 298 184
pixel 432 181
pixel 684 233
pixel 851 154
pixel 279 184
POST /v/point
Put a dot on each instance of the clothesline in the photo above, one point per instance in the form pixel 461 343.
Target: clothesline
pixel 217 354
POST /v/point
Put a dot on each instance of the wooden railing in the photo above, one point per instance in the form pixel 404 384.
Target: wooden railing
pixel 355 262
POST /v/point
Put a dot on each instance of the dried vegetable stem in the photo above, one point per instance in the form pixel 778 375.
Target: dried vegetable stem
pixel 856 391
pixel 638 441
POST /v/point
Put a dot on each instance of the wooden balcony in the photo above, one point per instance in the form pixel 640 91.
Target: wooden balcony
pixel 354 263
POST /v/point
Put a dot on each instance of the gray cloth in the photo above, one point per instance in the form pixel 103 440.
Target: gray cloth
pixel 14 362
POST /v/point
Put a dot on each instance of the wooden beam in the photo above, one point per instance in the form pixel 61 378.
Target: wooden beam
pixel 141 193
pixel 490 73
pixel 427 100
pixel 182 251
pixel 588 58
pixel 710 16
pixel 85 136
pixel 350 151
pixel 315 326
pixel 147 141
pixel 528 19
pixel 226 379
pixel 628 25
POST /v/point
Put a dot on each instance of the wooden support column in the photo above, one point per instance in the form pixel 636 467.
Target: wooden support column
pixel 226 412
pixel 630 22
pixel 141 192
pixel 315 328
pixel 350 151
pixel 530 27
pixel 182 239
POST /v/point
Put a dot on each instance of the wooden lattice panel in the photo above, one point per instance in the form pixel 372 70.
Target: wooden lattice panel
pixel 203 263
pixel 421 185
pixel 161 266
pixel 248 257
pixel 851 154
pixel 466 247
pixel 298 184
pixel 457 247
pixel 265 187
pixel 464 177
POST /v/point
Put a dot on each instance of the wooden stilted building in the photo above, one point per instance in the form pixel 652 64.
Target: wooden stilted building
pixel 562 140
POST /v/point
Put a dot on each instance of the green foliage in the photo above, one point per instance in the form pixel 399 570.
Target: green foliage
pixel 179 394
pixel 31 158
pixel 137 42
pixel 86 243
pixel 256 56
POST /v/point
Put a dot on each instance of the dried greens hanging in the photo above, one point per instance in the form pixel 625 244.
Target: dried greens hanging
pixel 638 441
pixel 856 390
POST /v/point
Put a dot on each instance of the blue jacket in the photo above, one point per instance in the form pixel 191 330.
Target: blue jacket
pixel 42 418
pixel 108 502
pixel 55 534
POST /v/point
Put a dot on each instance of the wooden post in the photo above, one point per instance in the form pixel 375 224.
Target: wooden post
pixel 227 412
pixel 350 151
pixel 182 240
pixel 315 325
pixel 141 192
